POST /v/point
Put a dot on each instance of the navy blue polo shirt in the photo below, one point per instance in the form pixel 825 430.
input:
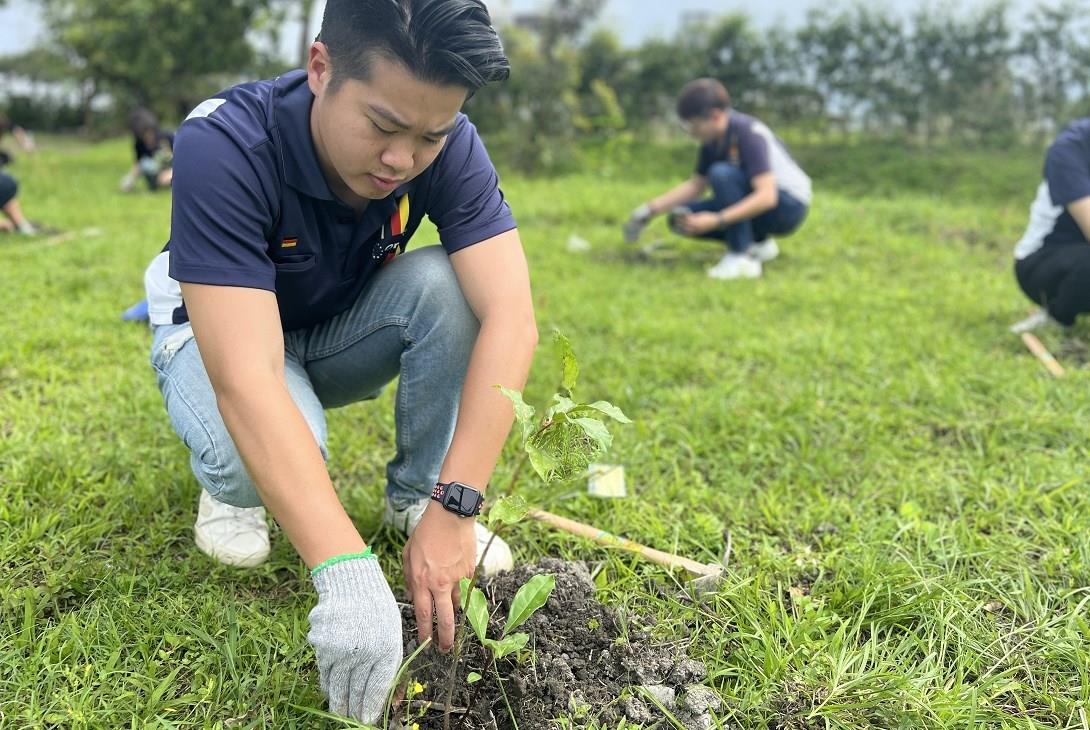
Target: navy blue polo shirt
pixel 750 145
pixel 1066 179
pixel 251 207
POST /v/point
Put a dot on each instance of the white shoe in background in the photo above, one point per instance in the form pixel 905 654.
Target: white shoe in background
pixel 736 266
pixel 764 251
pixel 1034 321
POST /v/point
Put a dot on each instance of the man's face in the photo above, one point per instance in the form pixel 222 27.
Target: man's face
pixel 372 136
pixel 707 128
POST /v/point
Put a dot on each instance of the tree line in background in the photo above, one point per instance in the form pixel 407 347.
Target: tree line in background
pixel 936 73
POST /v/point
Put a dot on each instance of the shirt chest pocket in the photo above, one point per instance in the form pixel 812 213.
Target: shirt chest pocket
pixel 288 262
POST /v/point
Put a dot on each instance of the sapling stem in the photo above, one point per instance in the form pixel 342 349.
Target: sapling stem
pixel 473 700
pixel 459 636
pixel 503 693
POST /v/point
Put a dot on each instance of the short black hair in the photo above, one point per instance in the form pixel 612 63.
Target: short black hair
pixel 698 98
pixel 143 120
pixel 444 42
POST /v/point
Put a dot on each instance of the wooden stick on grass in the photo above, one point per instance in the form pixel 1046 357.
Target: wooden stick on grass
pixel 1041 353
pixel 699 570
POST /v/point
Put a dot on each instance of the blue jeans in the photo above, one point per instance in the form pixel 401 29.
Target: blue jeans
pixel 411 321
pixel 8 188
pixel 729 185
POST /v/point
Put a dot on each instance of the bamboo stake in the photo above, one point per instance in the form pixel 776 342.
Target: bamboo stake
pixel 697 570
pixel 1041 353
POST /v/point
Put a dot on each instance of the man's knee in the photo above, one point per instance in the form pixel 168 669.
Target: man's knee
pixel 194 413
pixel 219 469
pixel 441 298
pixel 726 174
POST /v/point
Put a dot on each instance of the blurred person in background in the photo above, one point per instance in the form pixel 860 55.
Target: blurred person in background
pixel 757 189
pixel 13 218
pixel 154 150
pixel 1052 259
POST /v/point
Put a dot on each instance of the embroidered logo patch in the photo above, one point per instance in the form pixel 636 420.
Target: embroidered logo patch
pixel 289 243
pixel 390 246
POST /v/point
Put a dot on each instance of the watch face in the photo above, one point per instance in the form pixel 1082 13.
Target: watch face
pixel 469 501
pixel 461 499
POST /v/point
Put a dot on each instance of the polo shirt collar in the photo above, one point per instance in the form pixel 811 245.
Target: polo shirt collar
pixel 292 114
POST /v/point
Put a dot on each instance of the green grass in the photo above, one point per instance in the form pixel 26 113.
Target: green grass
pixel 903 484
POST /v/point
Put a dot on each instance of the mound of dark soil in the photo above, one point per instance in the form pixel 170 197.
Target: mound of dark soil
pixel 582 663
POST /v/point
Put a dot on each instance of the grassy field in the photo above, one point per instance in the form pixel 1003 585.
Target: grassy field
pixel 903 485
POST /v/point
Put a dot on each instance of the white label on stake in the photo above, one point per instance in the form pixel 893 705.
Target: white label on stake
pixel 606 480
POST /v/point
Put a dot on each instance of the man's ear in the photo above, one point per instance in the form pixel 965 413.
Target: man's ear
pixel 319 68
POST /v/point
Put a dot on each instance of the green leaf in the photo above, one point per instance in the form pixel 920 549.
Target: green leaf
pixel 610 410
pixel 506 645
pixel 596 430
pixel 477 612
pixel 507 511
pixel 473 677
pixel 544 464
pixel 562 405
pixel 529 598
pixel 524 412
pixel 568 362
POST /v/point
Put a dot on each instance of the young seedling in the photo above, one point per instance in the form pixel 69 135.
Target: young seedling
pixel 569 436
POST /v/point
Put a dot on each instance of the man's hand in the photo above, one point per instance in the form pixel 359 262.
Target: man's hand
pixel 636 222
pixel 356 633
pixel 441 551
pixel 697 224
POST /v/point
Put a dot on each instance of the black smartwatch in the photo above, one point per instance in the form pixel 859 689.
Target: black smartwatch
pixel 461 499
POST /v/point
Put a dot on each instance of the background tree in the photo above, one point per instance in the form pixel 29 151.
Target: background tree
pixel 1053 67
pixel 156 53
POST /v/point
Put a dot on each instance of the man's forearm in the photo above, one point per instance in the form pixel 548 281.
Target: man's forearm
pixel 1080 211
pixel 748 207
pixel 684 193
pixel 286 465
pixel 502 356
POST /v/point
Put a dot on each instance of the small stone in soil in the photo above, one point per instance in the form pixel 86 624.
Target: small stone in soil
pixel 665 696
pixel 689 670
pixel 699 699
pixel 637 711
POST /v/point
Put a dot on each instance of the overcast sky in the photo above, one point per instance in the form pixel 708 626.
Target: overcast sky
pixel 633 20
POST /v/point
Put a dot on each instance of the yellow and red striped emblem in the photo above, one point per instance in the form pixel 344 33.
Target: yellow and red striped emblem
pixel 399 221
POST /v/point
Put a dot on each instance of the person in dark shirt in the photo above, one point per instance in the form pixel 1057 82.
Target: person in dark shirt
pixel 757 189
pixel 154 152
pixel 1052 259
pixel 286 289
pixel 13 218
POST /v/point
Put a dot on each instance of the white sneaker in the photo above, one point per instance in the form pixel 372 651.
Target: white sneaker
pixel 405 520
pixel 736 266
pixel 764 251
pixel 235 536
pixel 1034 321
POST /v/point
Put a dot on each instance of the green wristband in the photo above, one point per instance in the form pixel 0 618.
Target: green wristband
pixel 367 554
